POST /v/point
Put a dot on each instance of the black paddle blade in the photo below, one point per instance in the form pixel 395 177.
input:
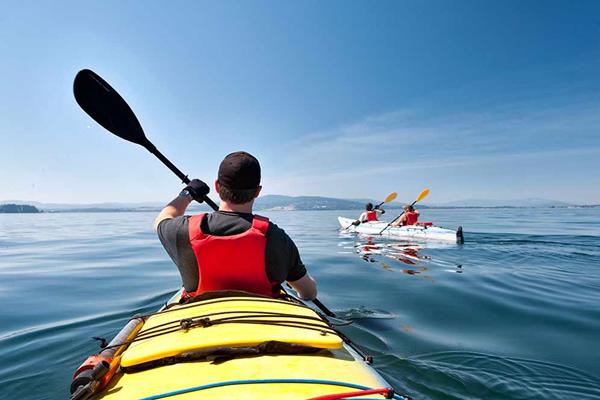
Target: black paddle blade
pixel 101 102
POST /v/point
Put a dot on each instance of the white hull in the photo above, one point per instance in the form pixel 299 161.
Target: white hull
pixel 409 232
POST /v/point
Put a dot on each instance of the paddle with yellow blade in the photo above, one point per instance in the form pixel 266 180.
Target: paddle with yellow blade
pixel 390 197
pixel 421 196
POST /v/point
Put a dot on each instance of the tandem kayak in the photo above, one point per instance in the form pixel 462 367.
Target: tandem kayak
pixel 420 232
pixel 230 345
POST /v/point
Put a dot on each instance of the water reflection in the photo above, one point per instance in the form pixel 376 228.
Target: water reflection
pixel 394 255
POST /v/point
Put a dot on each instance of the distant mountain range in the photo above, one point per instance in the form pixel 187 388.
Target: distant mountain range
pixel 297 203
pixel 490 203
pixel 291 203
pixel 90 207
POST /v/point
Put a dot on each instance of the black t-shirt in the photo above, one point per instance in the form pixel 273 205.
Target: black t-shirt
pixel 282 260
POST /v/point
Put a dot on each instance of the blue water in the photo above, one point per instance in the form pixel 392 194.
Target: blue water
pixel 514 313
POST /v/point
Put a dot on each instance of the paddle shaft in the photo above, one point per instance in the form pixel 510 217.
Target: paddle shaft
pixel 322 307
pixel 377 206
pixel 152 149
pixel 317 303
pixel 395 219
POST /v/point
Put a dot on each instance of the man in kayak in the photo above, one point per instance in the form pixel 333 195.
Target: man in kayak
pixel 231 249
pixel 370 214
pixel 409 217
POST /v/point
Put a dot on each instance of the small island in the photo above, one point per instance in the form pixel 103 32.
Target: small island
pixel 18 209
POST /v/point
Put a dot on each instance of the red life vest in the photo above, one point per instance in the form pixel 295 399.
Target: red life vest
pixel 412 217
pixel 235 262
pixel 371 216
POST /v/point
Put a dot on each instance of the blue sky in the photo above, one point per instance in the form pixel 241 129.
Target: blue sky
pixel 471 99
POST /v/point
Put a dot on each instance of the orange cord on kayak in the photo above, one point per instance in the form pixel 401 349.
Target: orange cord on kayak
pixel 388 393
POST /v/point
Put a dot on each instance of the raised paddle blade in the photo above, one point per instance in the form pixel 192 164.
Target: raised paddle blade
pixel 101 102
pixel 391 197
pixel 423 194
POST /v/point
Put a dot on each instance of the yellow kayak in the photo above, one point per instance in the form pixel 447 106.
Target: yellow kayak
pixel 230 345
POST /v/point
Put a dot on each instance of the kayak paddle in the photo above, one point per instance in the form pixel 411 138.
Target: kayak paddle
pixel 421 196
pixel 101 102
pixel 390 197
pixel 325 310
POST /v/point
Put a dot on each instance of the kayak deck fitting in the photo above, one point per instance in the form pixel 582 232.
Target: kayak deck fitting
pixel 240 347
pixel 418 232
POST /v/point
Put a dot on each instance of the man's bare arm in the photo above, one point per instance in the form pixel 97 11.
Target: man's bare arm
pixel 196 190
pixel 175 208
pixel 306 287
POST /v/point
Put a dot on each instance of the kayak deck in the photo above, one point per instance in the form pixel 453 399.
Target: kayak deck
pixel 412 231
pixel 231 322
pixel 338 365
pixel 332 366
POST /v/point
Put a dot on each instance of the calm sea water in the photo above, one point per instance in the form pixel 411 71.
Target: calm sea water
pixel 514 313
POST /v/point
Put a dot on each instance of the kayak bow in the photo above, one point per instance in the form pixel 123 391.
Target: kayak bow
pixel 238 346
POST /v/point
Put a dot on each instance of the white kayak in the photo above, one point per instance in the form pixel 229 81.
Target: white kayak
pixel 421 232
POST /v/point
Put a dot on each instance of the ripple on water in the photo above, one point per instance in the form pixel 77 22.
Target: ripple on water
pixel 476 315
pixel 364 313
pixel 470 375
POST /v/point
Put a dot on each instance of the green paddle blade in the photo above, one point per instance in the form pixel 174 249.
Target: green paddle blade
pixel 101 102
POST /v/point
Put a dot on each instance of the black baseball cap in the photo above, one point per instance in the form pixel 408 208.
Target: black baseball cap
pixel 239 171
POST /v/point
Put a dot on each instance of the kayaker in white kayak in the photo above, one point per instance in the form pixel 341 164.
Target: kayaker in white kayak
pixel 231 249
pixel 370 214
pixel 409 217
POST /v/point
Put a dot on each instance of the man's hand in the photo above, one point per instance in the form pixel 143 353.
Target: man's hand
pixel 356 223
pixel 198 190
pixel 378 207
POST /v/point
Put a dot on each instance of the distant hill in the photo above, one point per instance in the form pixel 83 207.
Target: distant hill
pixel 278 202
pixel 294 203
pixel 267 202
pixel 90 207
pixel 491 203
pixel 18 209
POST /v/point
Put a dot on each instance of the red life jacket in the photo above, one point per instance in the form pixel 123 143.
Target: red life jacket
pixel 371 216
pixel 411 218
pixel 235 262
